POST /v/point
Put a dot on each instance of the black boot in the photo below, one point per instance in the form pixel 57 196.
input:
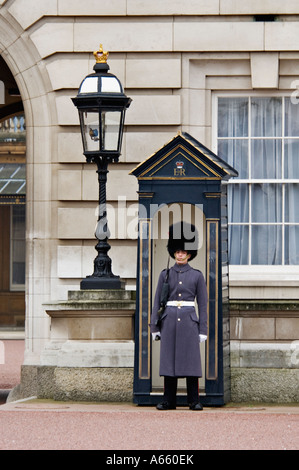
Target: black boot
pixel 192 392
pixel 196 406
pixel 170 388
pixel 165 405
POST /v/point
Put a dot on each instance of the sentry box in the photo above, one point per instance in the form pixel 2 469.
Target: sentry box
pixel 183 180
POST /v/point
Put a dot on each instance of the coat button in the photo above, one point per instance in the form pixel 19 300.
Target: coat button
pixel 179 319
pixel 180 295
pixel 180 282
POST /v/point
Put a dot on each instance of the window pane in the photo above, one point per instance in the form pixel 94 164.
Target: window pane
pixel 18 268
pixel 291 203
pixel 291 118
pixel 266 117
pixel 291 158
pixel 91 137
pixel 18 245
pixel 232 117
pixel 110 128
pixel 266 160
pixel 238 244
pixel 238 203
pixel 292 244
pixel 266 244
pixel 235 153
pixel 266 203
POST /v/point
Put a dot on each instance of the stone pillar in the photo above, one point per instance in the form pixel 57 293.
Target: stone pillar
pixel 90 355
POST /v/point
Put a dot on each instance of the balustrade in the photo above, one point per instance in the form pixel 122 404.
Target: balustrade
pixel 13 129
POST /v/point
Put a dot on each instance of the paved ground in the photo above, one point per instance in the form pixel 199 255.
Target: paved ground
pixel 44 424
pixel 11 359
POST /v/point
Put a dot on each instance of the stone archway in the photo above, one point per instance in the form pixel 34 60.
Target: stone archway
pixel 25 64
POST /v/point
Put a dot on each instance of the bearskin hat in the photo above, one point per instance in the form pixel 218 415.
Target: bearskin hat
pixel 183 236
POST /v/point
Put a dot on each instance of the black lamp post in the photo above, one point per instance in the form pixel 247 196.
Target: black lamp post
pixel 102 105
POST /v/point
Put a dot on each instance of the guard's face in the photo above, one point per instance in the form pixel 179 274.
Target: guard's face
pixel 182 257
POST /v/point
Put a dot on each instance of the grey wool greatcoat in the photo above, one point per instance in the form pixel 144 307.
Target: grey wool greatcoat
pixel 180 326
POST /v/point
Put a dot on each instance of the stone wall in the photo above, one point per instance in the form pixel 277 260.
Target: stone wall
pixel 264 351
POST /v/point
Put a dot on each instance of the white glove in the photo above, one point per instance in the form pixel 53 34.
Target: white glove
pixel 156 336
pixel 202 338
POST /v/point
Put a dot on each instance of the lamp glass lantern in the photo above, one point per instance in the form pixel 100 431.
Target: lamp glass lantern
pixel 101 131
pixel 101 104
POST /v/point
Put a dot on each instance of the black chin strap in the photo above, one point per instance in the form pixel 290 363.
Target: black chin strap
pixel 183 259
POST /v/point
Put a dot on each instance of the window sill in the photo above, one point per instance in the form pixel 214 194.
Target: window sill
pixel 264 275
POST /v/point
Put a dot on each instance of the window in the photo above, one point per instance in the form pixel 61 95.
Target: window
pixel 17 241
pixel 259 137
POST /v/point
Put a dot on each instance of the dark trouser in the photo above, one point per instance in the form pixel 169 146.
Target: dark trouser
pixel 170 389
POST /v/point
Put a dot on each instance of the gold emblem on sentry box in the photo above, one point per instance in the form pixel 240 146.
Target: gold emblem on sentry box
pixel 179 169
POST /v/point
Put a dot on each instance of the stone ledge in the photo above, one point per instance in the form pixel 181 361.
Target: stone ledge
pixel 103 302
pixel 102 294
pixel 264 355
pixel 269 307
pixel 88 353
pixel 87 310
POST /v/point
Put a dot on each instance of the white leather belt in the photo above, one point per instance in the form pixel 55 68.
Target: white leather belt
pixel 180 303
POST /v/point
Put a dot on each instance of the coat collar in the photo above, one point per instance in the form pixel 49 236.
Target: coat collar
pixel 181 269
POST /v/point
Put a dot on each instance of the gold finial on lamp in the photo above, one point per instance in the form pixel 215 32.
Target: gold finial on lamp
pixel 101 56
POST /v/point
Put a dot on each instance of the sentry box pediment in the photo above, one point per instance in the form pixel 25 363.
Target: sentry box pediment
pixel 184 158
pixel 181 177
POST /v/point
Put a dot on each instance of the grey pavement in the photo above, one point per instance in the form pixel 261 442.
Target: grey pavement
pixel 33 424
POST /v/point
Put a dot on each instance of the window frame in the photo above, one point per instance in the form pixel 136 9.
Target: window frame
pixel 259 272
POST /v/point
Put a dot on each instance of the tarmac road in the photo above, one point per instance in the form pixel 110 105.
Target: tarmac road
pixel 48 425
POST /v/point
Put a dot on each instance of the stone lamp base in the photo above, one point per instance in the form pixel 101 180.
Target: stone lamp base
pixel 90 355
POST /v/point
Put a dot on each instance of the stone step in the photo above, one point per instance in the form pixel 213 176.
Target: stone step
pixel 101 295
pixel 94 307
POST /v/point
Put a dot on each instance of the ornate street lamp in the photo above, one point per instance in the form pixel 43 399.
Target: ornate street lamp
pixel 102 105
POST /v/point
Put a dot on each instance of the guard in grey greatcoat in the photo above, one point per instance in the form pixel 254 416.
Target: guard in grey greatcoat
pixel 180 329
